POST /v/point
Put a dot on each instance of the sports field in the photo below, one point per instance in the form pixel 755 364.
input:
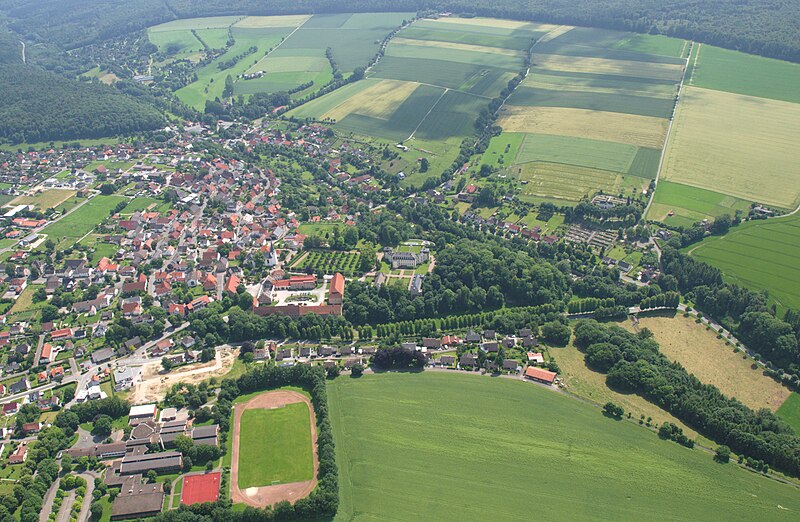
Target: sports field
pixel 200 488
pixel 275 446
pixel 712 361
pixel 742 146
pixel 412 444
pixel 761 255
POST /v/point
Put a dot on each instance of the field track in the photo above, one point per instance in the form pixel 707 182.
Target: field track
pixel 269 495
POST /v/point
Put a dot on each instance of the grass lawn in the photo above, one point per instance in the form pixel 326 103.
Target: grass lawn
pixel 50 198
pixel 84 219
pixel 410 446
pixel 275 446
pixel 713 362
pixel 790 411
pixel 25 300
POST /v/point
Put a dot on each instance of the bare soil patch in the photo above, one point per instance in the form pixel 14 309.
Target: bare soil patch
pixel 269 495
pixel 154 384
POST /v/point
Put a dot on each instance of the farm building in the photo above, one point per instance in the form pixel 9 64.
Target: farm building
pixel 540 375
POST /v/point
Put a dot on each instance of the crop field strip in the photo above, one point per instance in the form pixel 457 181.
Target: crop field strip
pixel 595 101
pixel 759 255
pixel 600 83
pixel 418 446
pixel 719 140
pixel 642 131
pixel 563 181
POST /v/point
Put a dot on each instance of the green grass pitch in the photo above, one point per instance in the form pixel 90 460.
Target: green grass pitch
pixel 275 446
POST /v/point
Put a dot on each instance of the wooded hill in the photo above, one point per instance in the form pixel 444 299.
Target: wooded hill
pixel 39 105
pixel 766 27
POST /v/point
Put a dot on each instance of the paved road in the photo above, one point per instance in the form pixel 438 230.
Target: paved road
pixel 47 505
pixel 83 516
pixel 38 354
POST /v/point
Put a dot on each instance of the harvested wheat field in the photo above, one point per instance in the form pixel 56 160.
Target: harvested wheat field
pixel 458 46
pixel 739 145
pixel 643 131
pixel 377 101
pixel 712 361
pixel 656 71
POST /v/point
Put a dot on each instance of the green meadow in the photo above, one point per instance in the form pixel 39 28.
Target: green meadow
pixel 439 446
pixel 761 255
pixel 790 411
pixel 690 204
pixel 732 71
pixel 84 219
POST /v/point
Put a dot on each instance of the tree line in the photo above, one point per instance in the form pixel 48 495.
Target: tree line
pixel 741 311
pixel 633 364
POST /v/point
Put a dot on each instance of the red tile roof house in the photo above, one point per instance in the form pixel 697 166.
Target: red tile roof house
pixel 62 334
pixel 19 455
pixel 540 375
pixel 47 353
pixel 10 408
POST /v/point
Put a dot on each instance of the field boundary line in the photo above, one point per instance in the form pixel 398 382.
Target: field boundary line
pixel 446 90
pixel 652 196
pixel 277 46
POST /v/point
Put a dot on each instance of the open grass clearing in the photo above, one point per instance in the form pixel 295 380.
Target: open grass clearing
pixel 790 411
pixel 603 155
pixel 642 131
pixel 582 381
pixel 760 255
pixel 179 41
pixel 49 198
pixel 712 361
pixel 275 446
pixel 84 219
pixel 503 149
pixel 25 300
pixel 691 204
pixel 653 44
pixel 417 435
pixel 740 145
pixel 564 182
pixel 733 71
pixel 658 71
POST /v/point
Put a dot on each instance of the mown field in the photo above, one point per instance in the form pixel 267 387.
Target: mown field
pixel 275 446
pixel 712 361
pixel 690 204
pixel 790 411
pixel 761 255
pixel 82 220
pixel 412 444
pixel 50 198
pixel 596 103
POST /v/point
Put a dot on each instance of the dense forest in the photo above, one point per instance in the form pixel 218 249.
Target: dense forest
pixel 767 27
pixel 39 105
